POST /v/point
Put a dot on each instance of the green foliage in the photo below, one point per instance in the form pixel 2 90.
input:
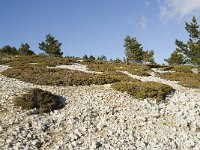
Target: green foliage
pixel 91 58
pixel 117 60
pixel 148 56
pixel 25 50
pixel 102 57
pixel 179 68
pixel 176 58
pixel 185 79
pixel 44 76
pixel 192 48
pixel 134 52
pixel 136 69
pixel 51 46
pixel 39 60
pixel 9 50
pixel 133 49
pixel 44 101
pixel 142 90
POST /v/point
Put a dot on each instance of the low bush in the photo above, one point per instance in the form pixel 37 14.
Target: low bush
pixel 134 68
pixel 101 66
pixel 43 101
pixel 185 79
pixel 179 68
pixel 54 76
pixel 142 90
pixel 20 61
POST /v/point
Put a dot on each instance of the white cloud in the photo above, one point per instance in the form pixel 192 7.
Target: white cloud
pixel 143 23
pixel 178 8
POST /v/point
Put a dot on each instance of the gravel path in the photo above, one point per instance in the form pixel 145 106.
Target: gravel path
pixel 98 117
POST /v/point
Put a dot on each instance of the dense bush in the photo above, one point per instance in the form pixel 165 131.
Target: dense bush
pixel 185 79
pixel 43 101
pixel 46 76
pixel 143 90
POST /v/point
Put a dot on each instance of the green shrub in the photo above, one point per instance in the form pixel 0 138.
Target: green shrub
pixel 142 90
pixel 40 60
pixel 185 79
pixel 179 68
pixel 134 68
pixel 51 76
pixel 43 101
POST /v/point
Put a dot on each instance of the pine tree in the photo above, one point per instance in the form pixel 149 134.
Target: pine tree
pixel 25 50
pixel 192 48
pixel 176 58
pixel 148 56
pixel 9 50
pixel 133 50
pixel 51 46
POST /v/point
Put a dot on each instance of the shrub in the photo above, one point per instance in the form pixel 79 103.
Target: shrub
pixel 137 69
pixel 44 101
pixel 185 79
pixel 40 60
pixel 46 76
pixel 179 68
pixel 142 90
pixel 134 68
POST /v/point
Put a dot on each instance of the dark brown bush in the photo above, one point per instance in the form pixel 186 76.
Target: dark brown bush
pixel 43 101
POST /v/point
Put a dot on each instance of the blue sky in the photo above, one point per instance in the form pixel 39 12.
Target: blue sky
pixel 97 27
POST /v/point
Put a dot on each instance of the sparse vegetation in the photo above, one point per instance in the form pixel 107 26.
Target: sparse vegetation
pixel 43 101
pixel 142 90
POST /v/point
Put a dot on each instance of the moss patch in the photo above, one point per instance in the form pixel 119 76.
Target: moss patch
pixel 142 90
pixel 44 101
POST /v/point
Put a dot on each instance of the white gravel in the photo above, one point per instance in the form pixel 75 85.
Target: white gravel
pixel 98 117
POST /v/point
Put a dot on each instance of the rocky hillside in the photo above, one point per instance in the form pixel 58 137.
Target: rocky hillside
pixel 99 117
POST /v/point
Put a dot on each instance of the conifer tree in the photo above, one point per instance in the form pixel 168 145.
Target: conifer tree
pixel 192 48
pixel 148 56
pixel 133 50
pixel 176 58
pixel 25 50
pixel 51 46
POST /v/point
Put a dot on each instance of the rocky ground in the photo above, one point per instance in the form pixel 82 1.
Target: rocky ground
pixel 98 117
